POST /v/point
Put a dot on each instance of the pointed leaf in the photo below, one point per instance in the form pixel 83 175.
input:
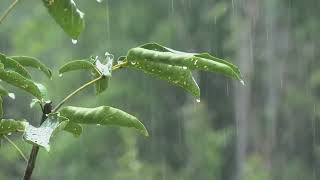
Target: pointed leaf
pixel 11 125
pixel 43 90
pixel 10 64
pixel 67 15
pixel 76 65
pixel 27 61
pixel 102 115
pixel 19 81
pixel 174 74
pixel 160 54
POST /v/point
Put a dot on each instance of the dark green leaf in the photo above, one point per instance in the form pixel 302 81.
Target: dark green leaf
pixel 101 85
pixel 27 61
pixel 67 15
pixel 10 64
pixel 103 115
pixel 3 91
pixel 19 81
pixel 175 74
pixel 160 54
pixel 1 108
pixel 11 125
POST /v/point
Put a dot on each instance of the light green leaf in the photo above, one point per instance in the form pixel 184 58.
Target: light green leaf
pixel 27 61
pixel 11 125
pixel 19 81
pixel 43 90
pixel 10 64
pixel 67 15
pixel 160 54
pixel 102 115
pixel 76 65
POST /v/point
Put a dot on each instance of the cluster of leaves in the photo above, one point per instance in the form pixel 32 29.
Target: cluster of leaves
pixel 154 59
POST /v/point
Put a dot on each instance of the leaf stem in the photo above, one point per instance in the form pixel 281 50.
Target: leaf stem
pixel 75 92
pixel 16 147
pixel 10 8
pixel 115 67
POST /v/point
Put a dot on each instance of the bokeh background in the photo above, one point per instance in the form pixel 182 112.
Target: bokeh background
pixel 268 129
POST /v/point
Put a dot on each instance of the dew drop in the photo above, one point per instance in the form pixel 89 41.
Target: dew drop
pixel 133 63
pixel 9 134
pixel 198 100
pixel 60 75
pixel 98 124
pixel 12 95
pixel 184 67
pixel 74 41
pixel 99 1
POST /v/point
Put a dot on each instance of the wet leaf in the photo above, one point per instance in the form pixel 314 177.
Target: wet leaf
pixel 174 74
pixel 102 115
pixel 11 125
pixel 67 15
pixel 159 54
pixel 43 90
pixel 3 91
pixel 76 65
pixel 27 61
pixel 19 81
pixel 11 64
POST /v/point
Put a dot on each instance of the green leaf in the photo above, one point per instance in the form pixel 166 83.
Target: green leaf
pixel 160 54
pixel 11 125
pixel 10 64
pixel 174 74
pixel 67 15
pixel 76 65
pixel 73 128
pixel 19 81
pixel 27 61
pixel 101 85
pixel 43 91
pixel 102 115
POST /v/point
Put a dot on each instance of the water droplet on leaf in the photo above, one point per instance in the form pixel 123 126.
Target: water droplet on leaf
pixel 60 75
pixel 242 82
pixel 198 100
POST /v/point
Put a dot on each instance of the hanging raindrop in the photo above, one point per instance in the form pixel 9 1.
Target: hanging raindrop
pixel 12 95
pixel 74 41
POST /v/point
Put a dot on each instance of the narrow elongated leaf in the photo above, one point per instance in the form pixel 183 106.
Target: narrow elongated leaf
pixel 174 74
pixel 159 54
pixel 10 64
pixel 11 125
pixel 67 15
pixel 27 61
pixel 43 90
pixel 19 81
pixel 76 65
pixel 102 115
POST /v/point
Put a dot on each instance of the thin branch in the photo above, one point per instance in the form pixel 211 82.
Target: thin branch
pixel 16 147
pixel 75 92
pixel 10 8
pixel 115 67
